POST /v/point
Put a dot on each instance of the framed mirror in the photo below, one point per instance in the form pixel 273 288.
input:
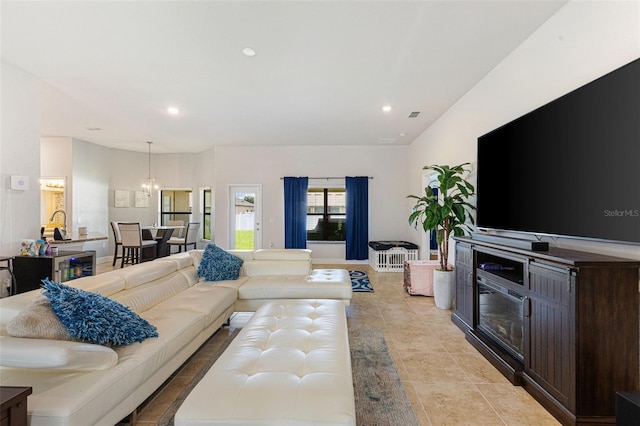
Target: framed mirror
pixel 52 204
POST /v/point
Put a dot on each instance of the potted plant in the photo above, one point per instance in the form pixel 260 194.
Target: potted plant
pixel 447 212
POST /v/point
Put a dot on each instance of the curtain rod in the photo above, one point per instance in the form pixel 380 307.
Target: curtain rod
pixel 327 178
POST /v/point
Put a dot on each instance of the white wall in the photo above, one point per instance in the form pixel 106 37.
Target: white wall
pixel 580 43
pixel 266 165
pixel 90 192
pixel 19 155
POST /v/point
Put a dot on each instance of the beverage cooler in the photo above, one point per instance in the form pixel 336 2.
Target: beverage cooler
pixel 64 266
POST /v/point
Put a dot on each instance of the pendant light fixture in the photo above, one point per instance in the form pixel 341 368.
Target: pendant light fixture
pixel 150 181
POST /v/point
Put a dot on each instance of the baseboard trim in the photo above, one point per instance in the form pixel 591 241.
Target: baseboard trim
pixel 339 261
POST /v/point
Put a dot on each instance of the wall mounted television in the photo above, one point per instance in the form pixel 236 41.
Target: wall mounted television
pixel 570 168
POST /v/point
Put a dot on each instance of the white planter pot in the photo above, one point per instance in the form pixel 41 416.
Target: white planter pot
pixel 444 288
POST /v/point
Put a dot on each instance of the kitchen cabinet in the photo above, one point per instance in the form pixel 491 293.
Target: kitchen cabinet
pixel 29 271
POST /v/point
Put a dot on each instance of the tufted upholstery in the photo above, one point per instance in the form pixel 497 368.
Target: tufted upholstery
pixel 290 365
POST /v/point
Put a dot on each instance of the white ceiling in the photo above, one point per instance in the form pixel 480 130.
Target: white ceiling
pixel 322 72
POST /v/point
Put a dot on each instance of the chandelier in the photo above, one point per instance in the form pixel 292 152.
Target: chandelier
pixel 150 180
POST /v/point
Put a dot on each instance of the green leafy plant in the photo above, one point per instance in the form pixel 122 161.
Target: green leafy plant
pixel 447 213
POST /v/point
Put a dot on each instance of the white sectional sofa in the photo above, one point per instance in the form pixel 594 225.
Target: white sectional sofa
pixel 84 384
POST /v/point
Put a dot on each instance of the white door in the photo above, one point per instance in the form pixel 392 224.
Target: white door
pixel 245 217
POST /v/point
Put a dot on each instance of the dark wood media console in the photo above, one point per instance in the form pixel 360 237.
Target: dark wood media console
pixel 572 342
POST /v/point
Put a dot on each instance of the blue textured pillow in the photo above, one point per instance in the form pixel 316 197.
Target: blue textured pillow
pixel 218 264
pixel 94 318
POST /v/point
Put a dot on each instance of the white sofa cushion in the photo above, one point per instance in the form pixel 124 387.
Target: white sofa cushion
pixel 55 354
pixel 207 299
pixel 147 272
pixel 145 296
pixel 282 254
pixel 182 260
pixel 254 268
pixel 105 284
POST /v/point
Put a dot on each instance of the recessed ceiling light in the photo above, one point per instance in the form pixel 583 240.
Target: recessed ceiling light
pixel 173 110
pixel 247 51
pixel 94 129
pixel 403 134
pixel 386 108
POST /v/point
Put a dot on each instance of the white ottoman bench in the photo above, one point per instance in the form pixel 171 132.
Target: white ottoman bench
pixel 320 284
pixel 290 365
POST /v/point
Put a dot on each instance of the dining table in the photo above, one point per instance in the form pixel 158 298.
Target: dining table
pixel 161 235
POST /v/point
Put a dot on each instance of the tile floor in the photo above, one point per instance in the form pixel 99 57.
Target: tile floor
pixel 446 379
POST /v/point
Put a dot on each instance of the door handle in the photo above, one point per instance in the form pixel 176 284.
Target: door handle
pixel 526 307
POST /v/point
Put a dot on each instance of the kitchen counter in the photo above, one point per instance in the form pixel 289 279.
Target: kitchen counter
pixel 79 242
pixel 75 238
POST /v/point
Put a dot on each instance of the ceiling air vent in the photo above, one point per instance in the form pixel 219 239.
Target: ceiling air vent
pixel 387 140
pixel 414 114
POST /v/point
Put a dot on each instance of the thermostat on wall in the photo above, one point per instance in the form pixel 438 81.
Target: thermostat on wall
pixel 20 183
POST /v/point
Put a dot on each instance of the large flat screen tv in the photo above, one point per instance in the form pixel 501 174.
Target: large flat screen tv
pixel 570 168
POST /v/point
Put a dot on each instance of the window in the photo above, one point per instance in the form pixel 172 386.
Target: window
pixel 326 214
pixel 176 205
pixel 206 214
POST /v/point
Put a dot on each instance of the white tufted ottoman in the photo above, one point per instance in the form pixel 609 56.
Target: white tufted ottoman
pixel 290 365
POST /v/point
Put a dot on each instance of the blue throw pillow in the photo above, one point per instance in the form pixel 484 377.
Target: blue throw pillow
pixel 93 318
pixel 218 264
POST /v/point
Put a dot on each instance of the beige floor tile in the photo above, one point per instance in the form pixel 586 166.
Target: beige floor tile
pixel 421 414
pixel 478 369
pixel 455 404
pixel 515 406
pixel 433 368
pixel 455 343
pixel 415 340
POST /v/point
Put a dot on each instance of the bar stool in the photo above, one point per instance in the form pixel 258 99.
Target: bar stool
pixel 133 244
pixel 190 238
pixel 117 241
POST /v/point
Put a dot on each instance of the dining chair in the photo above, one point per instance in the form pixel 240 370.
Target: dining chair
pixel 178 231
pixel 117 240
pixel 133 244
pixel 190 238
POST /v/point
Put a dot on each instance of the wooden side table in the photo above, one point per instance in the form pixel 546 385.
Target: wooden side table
pixel 13 405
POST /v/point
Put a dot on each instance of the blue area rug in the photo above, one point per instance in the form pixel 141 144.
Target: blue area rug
pixel 360 281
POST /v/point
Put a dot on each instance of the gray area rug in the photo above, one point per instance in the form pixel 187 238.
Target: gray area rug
pixel 379 395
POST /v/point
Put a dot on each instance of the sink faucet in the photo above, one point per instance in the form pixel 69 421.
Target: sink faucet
pixel 64 214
